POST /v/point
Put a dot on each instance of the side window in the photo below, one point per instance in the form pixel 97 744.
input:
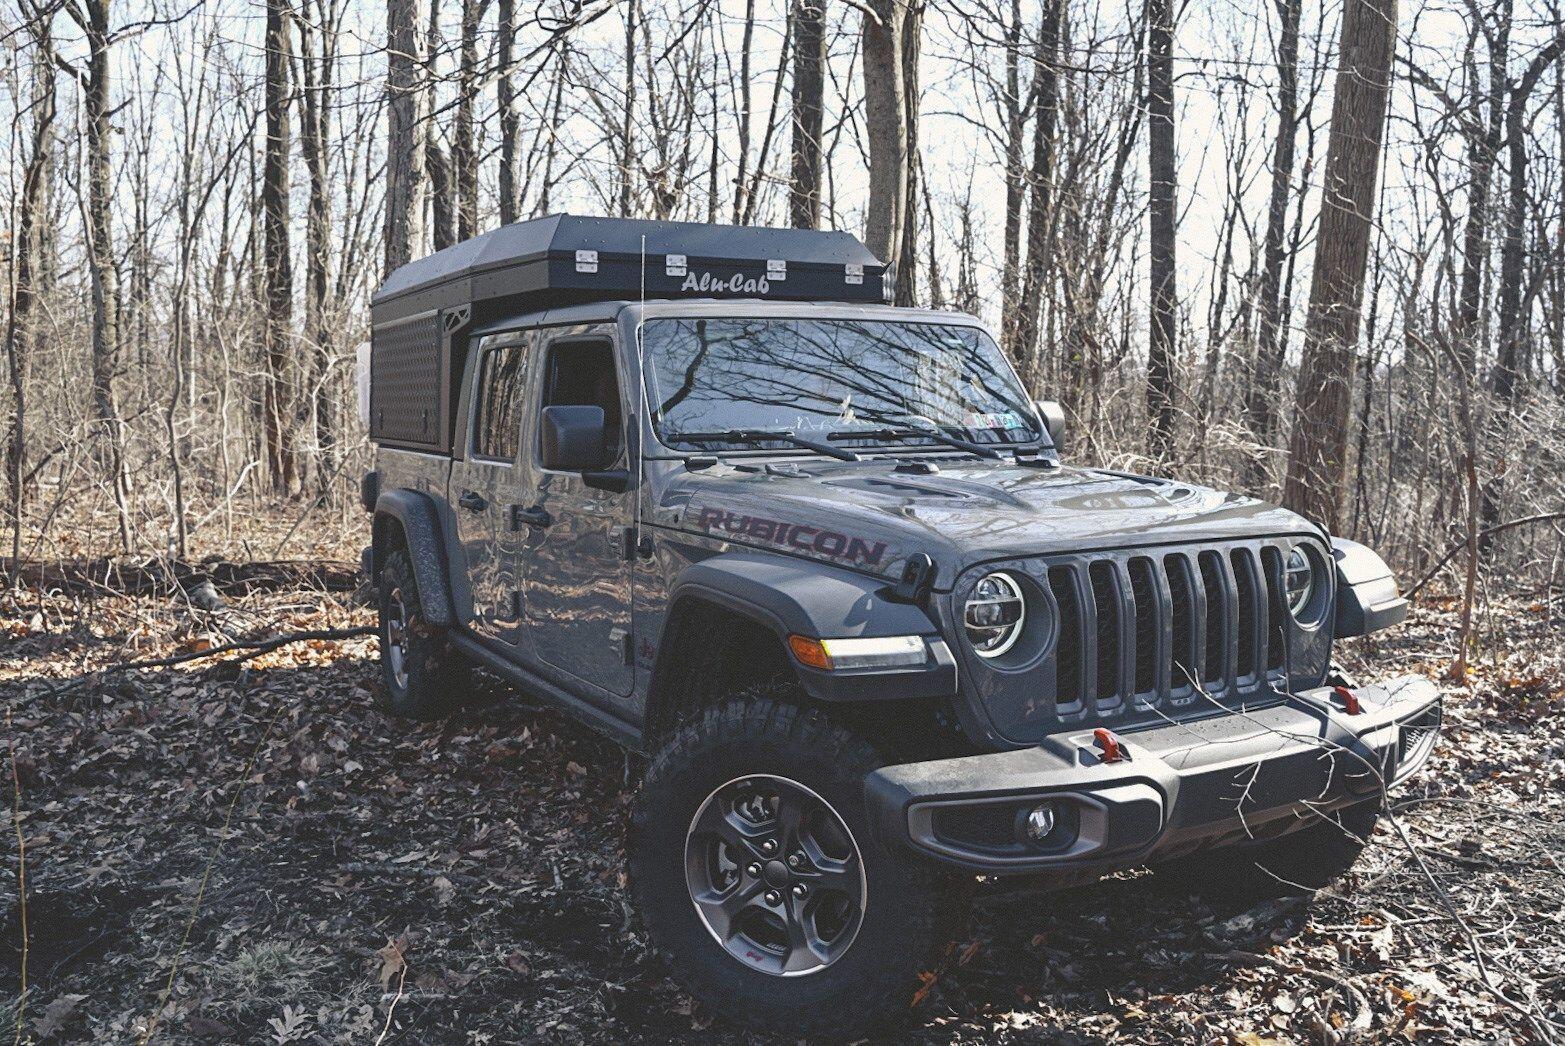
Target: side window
pixel 581 374
pixel 497 428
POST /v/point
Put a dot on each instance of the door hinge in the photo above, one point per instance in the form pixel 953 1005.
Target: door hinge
pixel 632 543
pixel 622 638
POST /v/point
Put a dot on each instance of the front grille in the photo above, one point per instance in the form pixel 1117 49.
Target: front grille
pixel 1139 630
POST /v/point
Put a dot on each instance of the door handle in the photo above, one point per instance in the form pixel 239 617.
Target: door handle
pixel 533 517
pixel 472 501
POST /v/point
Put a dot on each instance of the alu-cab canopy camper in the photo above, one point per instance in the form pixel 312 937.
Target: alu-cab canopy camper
pixel 422 313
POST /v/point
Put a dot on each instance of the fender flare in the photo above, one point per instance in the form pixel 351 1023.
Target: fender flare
pixel 1367 596
pixel 789 596
pixel 420 522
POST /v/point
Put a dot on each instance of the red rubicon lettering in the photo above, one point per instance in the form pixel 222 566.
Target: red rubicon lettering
pixel 830 543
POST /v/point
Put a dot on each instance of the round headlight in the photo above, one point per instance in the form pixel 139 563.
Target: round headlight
pixel 994 615
pixel 1299 580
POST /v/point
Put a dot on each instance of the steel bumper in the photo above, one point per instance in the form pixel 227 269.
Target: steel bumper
pixel 1176 787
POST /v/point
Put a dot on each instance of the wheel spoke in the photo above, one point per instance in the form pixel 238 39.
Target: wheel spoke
pixel 718 820
pixel 805 951
pixel 723 909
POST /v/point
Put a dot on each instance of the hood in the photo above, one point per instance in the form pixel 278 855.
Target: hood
pixel 873 514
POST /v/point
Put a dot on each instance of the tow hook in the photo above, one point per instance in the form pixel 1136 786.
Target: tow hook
pixel 1112 753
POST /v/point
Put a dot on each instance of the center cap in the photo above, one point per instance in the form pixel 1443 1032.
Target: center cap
pixel 776 874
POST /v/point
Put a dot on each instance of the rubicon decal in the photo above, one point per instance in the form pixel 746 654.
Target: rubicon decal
pixel 800 536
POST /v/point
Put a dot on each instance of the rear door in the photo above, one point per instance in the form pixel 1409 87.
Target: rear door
pixel 487 482
pixel 578 577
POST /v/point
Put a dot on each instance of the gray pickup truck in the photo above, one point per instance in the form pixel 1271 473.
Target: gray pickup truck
pixel 821 560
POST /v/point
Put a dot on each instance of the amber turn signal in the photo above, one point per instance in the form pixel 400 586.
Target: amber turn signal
pixel 810 652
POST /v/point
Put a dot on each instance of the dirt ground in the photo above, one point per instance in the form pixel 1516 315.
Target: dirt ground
pixel 252 846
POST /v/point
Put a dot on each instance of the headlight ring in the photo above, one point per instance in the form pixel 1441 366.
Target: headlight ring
pixel 994 615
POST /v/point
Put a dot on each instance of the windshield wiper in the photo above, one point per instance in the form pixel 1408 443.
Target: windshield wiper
pixel 762 436
pixel 935 434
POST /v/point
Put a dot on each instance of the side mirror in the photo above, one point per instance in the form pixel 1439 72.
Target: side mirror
pixel 1053 416
pixel 573 439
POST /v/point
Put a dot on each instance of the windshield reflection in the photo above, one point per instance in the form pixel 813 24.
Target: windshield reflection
pixel 831 378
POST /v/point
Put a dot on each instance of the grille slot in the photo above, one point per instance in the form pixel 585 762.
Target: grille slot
pixel 1105 598
pixel 1276 608
pixel 1148 625
pixel 1068 653
pixel 1181 593
pixel 1213 667
pixel 1245 633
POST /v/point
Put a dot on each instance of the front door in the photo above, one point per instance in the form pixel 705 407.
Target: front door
pixel 578 577
pixel 487 482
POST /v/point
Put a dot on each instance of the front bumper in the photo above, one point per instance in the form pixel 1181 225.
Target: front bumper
pixel 1177 787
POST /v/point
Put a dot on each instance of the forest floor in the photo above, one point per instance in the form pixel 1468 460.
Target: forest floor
pixel 252 846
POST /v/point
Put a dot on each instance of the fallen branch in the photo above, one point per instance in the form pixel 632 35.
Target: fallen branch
pixel 1544 517
pixel 169 576
pixel 250 648
pixel 1362 1019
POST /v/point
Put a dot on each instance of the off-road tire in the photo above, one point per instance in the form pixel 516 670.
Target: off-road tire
pixel 433 680
pixel 912 908
pixel 1291 865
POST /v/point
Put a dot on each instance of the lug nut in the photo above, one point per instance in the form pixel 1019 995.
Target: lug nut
pixel 753 871
pixel 800 890
pixel 795 860
pixel 772 897
pixel 769 846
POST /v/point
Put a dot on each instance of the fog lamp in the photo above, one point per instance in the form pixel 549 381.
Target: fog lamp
pixel 1039 823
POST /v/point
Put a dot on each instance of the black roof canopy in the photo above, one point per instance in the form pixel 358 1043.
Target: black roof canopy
pixel 566 259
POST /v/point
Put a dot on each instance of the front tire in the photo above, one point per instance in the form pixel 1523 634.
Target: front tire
pixel 1291 865
pixel 422 676
pixel 755 870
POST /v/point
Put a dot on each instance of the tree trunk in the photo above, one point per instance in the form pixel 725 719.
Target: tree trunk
pixel 746 100
pixel 1162 225
pixel 907 263
pixel 885 106
pixel 1265 378
pixel 30 244
pixel 277 414
pixel 510 184
pixel 1482 153
pixel 1015 189
pixel 627 156
pixel 437 165
pixel 809 88
pixel 1041 178
pixel 404 133
pixel 1317 466
pixel 100 257
pixel 317 66
pixel 464 152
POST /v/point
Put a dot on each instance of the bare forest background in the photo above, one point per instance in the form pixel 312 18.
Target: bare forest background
pixel 1314 252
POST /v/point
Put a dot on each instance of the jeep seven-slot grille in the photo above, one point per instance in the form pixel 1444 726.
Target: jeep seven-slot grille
pixel 1167 626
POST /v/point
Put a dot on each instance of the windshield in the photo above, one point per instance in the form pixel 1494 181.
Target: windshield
pixel 830 379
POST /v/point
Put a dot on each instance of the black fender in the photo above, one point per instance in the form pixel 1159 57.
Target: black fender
pixel 420 521
pixel 790 596
pixel 1367 596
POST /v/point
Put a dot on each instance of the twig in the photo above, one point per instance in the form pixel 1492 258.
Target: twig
pixel 21 873
pixel 1544 517
pixel 251 648
pixel 1363 1017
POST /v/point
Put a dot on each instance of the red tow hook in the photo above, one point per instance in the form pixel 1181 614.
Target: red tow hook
pixel 1350 700
pixel 1110 745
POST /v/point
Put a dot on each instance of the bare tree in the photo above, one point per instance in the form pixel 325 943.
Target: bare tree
pixel 510 181
pixel 278 252
pixel 464 150
pixel 1040 179
pixel 886 107
pixel 1163 222
pixel 1317 467
pixel 1265 377
pixel 809 85
pixel 404 131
